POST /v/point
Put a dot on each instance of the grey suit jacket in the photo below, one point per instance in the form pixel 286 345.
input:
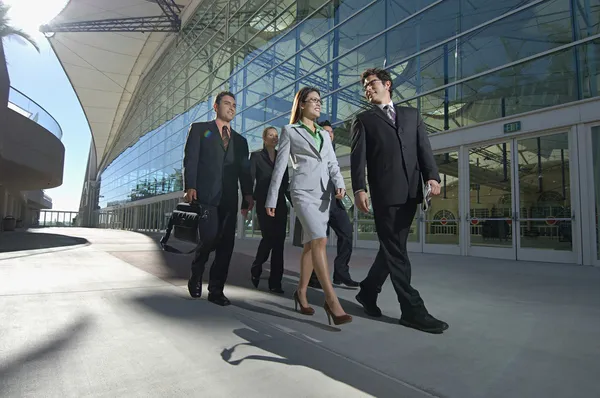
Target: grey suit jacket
pixel 311 169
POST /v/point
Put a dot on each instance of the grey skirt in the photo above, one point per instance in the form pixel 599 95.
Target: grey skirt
pixel 312 209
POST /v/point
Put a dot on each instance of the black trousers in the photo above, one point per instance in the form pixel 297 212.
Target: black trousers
pixel 273 230
pixel 342 226
pixel 217 233
pixel 393 227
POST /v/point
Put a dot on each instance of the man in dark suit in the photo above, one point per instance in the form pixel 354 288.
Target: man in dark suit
pixel 215 158
pixel 342 226
pixel 392 143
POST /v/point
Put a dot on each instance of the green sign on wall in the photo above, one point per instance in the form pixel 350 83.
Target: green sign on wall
pixel 512 127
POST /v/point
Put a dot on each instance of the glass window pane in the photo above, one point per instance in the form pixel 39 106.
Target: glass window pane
pixel 545 193
pixel 490 195
pixel 596 165
pixel 442 223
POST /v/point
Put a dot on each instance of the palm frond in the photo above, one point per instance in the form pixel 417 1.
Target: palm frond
pixel 9 31
pixel 6 30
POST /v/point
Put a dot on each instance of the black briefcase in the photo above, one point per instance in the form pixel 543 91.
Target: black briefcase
pixel 186 217
pixel 184 223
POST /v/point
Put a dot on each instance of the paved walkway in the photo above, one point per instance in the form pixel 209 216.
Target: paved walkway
pixel 100 313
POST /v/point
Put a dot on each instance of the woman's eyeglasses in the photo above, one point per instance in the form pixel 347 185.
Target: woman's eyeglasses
pixel 315 101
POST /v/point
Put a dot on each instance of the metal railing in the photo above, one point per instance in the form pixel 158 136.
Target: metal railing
pixel 57 218
pixel 22 104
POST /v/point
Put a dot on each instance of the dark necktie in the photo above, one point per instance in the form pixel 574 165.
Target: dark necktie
pixel 225 137
pixel 389 110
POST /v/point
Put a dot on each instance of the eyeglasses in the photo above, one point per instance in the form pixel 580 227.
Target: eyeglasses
pixel 315 101
pixel 370 84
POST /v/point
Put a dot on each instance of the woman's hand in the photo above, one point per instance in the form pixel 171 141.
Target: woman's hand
pixel 340 193
pixel 270 212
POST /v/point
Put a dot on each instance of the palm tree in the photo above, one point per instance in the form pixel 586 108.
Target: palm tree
pixel 6 30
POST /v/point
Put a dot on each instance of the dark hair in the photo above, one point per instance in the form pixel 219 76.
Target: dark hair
pixel 223 94
pixel 300 98
pixel 381 74
pixel 325 123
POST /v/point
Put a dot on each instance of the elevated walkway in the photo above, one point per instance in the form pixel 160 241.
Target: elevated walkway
pixel 105 313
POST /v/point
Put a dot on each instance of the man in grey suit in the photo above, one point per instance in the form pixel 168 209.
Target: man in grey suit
pixel 392 143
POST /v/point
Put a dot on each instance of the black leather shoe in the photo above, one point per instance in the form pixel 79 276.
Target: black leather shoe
pixel 425 323
pixel 369 304
pixel 255 275
pixel 218 299
pixel 346 282
pixel 277 290
pixel 255 281
pixel 195 286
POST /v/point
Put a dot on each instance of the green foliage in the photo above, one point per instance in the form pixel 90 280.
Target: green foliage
pixel 6 30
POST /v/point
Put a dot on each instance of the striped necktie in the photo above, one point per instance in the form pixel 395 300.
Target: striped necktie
pixel 225 136
pixel 389 110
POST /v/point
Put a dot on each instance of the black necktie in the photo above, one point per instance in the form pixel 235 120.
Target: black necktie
pixel 225 136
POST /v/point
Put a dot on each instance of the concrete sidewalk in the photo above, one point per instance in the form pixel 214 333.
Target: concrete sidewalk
pixel 104 313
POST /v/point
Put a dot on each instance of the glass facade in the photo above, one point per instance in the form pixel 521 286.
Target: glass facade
pixel 460 62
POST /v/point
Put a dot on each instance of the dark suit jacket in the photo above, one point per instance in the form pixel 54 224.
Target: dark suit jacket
pixel 261 169
pixel 335 202
pixel 213 171
pixel 394 156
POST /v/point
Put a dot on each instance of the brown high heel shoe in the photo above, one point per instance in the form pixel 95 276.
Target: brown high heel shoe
pixel 337 320
pixel 303 310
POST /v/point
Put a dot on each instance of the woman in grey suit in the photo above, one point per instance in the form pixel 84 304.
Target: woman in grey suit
pixel 315 170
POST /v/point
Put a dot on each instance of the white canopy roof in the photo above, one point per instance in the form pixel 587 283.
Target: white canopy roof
pixel 105 67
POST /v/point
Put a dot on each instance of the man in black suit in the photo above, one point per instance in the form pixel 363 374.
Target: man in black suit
pixel 392 143
pixel 215 158
pixel 341 224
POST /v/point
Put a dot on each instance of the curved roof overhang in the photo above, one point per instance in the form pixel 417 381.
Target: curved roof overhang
pixel 104 67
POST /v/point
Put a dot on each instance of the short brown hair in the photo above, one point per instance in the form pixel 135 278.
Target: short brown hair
pixel 300 97
pixel 223 94
pixel 381 74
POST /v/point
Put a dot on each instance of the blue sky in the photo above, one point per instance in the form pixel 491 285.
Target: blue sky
pixel 41 77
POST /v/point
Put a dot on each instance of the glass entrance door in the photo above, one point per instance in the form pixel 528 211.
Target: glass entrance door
pixel 596 175
pixel 591 194
pixel 544 216
pixel 490 217
pixel 520 199
pixel 441 223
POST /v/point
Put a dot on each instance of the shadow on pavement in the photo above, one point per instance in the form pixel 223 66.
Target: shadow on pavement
pixel 29 361
pixel 298 352
pixel 288 349
pixel 175 268
pixel 193 310
pixel 24 240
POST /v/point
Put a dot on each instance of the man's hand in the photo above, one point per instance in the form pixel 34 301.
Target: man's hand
pixel 250 201
pixel 270 211
pixel 361 200
pixel 436 189
pixel 190 195
pixel 244 213
pixel 340 193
